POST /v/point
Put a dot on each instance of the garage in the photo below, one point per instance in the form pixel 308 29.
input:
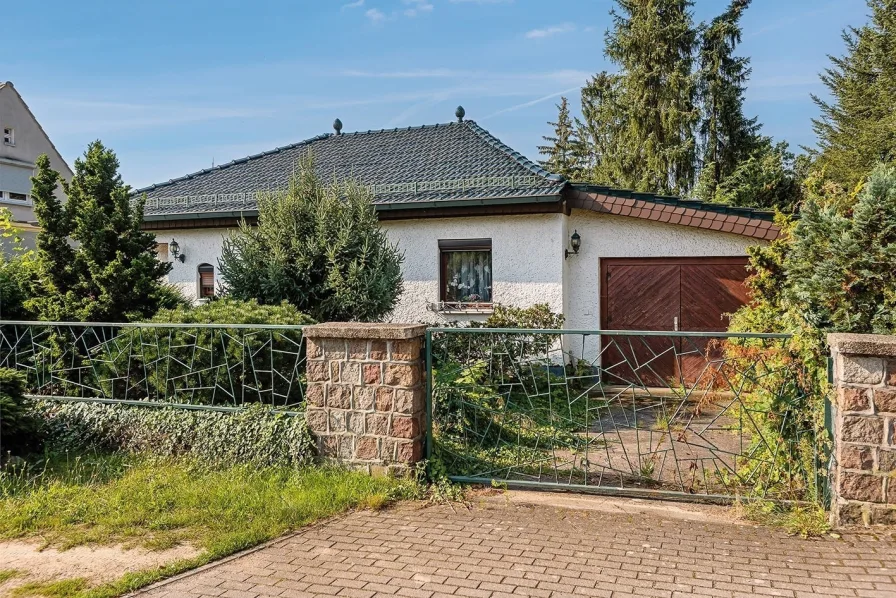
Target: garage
pixel 674 294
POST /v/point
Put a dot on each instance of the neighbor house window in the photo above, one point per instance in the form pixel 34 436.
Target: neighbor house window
pixel 9 136
pixel 17 196
pixel 466 271
pixel 206 281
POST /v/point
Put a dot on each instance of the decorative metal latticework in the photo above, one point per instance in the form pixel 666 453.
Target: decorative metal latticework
pixel 200 366
pixel 701 415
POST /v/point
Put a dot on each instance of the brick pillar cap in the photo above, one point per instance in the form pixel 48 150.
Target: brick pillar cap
pixel 364 331
pixel 863 344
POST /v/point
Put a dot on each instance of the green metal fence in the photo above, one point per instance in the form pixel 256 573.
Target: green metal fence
pixel 219 367
pixel 708 416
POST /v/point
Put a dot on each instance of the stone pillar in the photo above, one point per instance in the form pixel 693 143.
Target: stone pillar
pixel 366 396
pixel 864 410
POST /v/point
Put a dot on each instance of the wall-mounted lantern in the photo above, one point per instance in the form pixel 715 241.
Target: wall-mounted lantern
pixel 575 241
pixel 174 250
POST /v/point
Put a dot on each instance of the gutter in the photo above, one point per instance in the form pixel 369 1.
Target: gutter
pixel 381 207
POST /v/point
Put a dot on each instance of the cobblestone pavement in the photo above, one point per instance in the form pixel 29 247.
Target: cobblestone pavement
pixel 496 549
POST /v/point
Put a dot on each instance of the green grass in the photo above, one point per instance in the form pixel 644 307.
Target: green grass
pixel 158 504
pixel 7 574
pixel 52 589
pixel 807 521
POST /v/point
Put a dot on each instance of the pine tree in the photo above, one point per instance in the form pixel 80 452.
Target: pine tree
pixel 727 136
pixel 597 131
pixel 111 272
pixel 653 42
pixel 560 155
pixel 858 127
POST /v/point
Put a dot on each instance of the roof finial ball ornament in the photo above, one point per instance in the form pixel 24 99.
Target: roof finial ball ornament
pixel 337 124
pixel 459 113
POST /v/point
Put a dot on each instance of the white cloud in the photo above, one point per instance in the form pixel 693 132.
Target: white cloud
pixel 417 7
pixel 549 31
pixel 533 102
pixel 350 5
pixel 375 15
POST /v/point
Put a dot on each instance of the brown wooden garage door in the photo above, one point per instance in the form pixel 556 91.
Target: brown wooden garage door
pixel 688 294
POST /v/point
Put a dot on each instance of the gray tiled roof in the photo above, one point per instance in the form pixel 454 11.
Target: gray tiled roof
pixel 454 161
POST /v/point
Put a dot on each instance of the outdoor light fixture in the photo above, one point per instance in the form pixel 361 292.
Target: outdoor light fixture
pixel 575 241
pixel 174 249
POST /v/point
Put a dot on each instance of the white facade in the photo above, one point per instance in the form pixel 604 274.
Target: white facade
pixel 22 140
pixel 528 264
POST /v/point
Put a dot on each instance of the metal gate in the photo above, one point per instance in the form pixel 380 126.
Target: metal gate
pixel 595 411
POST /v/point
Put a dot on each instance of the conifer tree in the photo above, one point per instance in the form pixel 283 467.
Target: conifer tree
pixel 561 155
pixel 858 126
pixel 596 152
pixel 653 42
pixel 727 136
pixel 111 272
pixel 335 263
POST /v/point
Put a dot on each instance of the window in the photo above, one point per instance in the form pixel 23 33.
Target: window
pixel 17 196
pixel 466 273
pixel 9 136
pixel 206 281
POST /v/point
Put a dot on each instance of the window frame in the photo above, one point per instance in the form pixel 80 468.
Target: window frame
pixel 9 136
pixel 205 269
pixel 448 246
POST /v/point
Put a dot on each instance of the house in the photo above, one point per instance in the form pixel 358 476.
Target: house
pixel 480 224
pixel 23 140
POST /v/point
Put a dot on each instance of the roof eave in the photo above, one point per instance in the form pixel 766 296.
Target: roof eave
pixel 384 207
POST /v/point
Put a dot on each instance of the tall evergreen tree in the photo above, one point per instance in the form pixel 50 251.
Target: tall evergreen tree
pixel 111 272
pixel 561 155
pixel 858 126
pixel 727 136
pixel 597 130
pixel 653 42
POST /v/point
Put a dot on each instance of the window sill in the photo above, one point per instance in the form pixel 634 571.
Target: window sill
pixel 17 202
pixel 463 308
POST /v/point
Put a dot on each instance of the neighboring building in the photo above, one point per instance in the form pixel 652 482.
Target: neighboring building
pixel 481 224
pixel 21 142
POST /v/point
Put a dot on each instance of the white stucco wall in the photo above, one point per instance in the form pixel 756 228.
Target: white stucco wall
pixel 606 236
pixel 527 258
pixel 30 142
pixel 199 246
pixel 527 261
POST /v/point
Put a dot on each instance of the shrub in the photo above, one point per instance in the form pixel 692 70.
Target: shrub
pixel 319 246
pixel 18 430
pixel 226 366
pixel 253 436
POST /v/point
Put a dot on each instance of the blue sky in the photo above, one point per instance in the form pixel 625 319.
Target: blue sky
pixel 174 85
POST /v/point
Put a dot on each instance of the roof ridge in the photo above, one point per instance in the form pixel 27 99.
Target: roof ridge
pixel 233 162
pixel 512 153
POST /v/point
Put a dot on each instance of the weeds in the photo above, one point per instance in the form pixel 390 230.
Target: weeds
pixel 806 521
pixel 7 574
pixel 52 589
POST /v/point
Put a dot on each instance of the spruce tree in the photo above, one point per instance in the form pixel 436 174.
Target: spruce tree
pixel 561 155
pixel 602 120
pixel 858 126
pixel 653 42
pixel 727 136
pixel 95 263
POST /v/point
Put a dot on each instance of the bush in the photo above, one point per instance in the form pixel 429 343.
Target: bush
pixel 319 246
pixel 18 430
pixel 253 436
pixel 224 366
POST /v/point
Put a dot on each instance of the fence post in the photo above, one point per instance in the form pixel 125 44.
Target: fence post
pixel 863 476
pixel 366 396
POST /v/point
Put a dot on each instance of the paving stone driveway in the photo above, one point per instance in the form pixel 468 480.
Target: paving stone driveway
pixel 501 549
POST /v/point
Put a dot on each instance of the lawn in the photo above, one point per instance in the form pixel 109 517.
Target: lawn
pixel 159 503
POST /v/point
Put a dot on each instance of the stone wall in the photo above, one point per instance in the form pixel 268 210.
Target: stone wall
pixel 864 470
pixel 366 393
